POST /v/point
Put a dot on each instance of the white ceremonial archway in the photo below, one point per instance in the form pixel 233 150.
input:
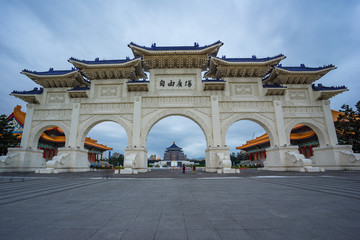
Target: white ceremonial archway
pixel 188 81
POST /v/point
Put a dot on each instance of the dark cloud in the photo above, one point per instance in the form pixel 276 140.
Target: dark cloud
pixel 38 35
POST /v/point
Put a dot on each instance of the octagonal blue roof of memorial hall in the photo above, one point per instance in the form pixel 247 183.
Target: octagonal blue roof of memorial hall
pixel 173 147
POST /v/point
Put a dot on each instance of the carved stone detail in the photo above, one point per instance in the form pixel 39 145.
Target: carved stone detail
pixel 56 98
pixel 106 107
pixel 246 106
pixel 243 90
pixel 57 114
pixel 302 112
pixel 108 91
pixel 176 101
pixel 298 95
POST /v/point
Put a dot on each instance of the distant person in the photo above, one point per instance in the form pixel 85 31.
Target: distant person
pixel 194 169
pixel 184 167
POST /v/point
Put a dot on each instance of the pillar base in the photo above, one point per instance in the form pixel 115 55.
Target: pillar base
pixel 288 158
pixel 339 157
pixel 135 160
pixel 22 160
pixel 218 160
pixel 68 160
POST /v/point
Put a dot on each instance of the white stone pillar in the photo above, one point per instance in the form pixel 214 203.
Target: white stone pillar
pixel 136 155
pixel 215 120
pixel 280 126
pixel 136 122
pixel 74 125
pixel 329 123
pixel 27 126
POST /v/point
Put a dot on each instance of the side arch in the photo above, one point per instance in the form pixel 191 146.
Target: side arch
pixel 161 114
pixel 87 125
pixel 265 123
pixel 39 129
pixel 318 129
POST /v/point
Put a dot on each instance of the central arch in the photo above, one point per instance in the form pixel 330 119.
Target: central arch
pixel 161 114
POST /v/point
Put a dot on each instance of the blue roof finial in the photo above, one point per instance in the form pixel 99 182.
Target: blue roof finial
pixel 223 56
pixel 196 44
pixel 153 45
pixel 96 59
pixel 51 69
pixel 254 56
pixel 302 65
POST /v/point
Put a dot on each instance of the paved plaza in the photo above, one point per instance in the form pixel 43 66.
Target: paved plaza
pixel 166 204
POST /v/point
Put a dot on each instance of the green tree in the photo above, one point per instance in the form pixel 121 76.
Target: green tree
pixel 348 126
pixel 116 159
pixel 7 138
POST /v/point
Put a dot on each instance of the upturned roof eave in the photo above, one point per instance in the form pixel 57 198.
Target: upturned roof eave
pixel 32 75
pixel 320 70
pixel 78 63
pixel 137 50
pixel 248 61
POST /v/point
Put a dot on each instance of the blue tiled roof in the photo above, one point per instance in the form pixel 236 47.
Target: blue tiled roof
pixel 34 91
pixel 138 81
pixel 320 87
pixel 79 89
pixel 175 48
pixel 302 67
pixel 98 61
pixel 51 72
pixel 213 80
pixel 273 86
pixel 174 146
pixel 252 59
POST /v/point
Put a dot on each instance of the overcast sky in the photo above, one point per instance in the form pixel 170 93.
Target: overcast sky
pixel 37 35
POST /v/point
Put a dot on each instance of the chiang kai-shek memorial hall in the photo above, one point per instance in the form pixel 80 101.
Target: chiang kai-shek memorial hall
pixel 189 81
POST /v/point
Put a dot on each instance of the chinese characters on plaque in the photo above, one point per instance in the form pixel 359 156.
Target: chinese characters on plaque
pixel 176 84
